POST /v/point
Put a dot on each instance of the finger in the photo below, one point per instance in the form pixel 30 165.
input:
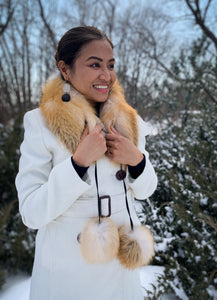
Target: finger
pixel 110 137
pixel 113 130
pixel 110 144
pixel 97 128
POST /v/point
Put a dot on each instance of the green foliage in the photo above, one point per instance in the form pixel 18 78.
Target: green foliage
pixel 16 242
pixel 2 277
pixel 190 85
pixel 183 210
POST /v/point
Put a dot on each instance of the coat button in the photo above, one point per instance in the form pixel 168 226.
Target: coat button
pixel 120 175
pixel 66 97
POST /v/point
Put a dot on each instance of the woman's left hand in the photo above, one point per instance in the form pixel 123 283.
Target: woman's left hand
pixel 121 149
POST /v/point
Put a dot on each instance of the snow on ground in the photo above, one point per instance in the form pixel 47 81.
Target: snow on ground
pixel 17 287
pixel 149 276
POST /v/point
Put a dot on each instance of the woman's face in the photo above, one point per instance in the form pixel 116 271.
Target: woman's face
pixel 93 73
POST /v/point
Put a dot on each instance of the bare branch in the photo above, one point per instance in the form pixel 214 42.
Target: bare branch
pixel 110 14
pixel 206 9
pixel 201 20
pixel 3 26
pixel 50 31
pixel 210 95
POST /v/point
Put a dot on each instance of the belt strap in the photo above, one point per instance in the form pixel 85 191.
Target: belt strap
pixel 99 198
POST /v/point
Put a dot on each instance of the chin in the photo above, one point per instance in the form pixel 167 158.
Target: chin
pixel 102 100
pixel 99 100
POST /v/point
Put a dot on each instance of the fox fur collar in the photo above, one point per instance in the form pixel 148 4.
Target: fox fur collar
pixel 67 120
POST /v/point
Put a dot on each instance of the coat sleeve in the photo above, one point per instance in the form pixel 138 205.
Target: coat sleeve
pixel 145 184
pixel 44 192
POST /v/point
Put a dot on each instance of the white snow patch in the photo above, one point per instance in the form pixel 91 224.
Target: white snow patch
pixel 179 292
pixel 18 287
pixel 204 201
pixel 163 245
pixel 149 276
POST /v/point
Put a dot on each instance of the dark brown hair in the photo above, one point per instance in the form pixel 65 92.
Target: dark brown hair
pixel 73 40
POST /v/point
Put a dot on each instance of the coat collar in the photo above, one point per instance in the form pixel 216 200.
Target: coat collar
pixel 67 119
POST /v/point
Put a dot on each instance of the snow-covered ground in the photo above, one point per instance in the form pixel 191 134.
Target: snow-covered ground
pixel 17 287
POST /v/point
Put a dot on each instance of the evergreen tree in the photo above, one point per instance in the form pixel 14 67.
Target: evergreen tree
pixel 16 242
pixel 183 210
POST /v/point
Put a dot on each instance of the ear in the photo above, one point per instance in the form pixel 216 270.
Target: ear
pixel 64 69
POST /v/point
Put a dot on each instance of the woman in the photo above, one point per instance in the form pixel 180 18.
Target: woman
pixel 82 163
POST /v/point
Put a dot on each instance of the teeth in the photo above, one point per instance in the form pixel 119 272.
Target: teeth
pixel 101 86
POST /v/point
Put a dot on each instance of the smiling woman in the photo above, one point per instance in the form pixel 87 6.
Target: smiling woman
pixel 83 161
pixel 93 73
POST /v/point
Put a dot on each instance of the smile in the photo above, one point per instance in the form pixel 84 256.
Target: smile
pixel 101 88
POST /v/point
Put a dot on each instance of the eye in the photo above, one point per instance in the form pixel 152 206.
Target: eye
pixel 95 65
pixel 111 66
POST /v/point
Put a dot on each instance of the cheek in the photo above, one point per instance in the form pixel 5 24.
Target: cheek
pixel 80 82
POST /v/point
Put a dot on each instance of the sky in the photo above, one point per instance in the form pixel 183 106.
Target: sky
pixel 181 24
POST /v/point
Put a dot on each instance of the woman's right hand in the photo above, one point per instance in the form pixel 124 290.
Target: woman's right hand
pixel 91 147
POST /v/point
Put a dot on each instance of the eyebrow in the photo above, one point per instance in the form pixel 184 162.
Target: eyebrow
pixel 98 58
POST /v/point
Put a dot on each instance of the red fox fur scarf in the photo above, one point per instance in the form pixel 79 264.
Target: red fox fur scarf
pixel 100 242
pixel 67 119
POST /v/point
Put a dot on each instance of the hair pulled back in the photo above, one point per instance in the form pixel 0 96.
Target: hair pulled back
pixel 71 43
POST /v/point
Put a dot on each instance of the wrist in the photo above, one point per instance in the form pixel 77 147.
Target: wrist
pixel 80 170
pixel 80 162
pixel 137 159
pixel 136 171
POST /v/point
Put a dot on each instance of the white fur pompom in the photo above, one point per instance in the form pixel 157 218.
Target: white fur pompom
pixel 136 246
pixel 99 242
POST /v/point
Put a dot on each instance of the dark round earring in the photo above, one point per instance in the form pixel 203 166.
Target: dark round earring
pixel 66 97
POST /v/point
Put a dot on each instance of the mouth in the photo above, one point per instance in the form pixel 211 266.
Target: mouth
pixel 102 88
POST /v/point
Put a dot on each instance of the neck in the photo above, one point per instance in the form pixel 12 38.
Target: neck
pixel 97 108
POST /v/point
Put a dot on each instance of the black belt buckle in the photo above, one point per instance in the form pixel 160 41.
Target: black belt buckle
pixel 109 205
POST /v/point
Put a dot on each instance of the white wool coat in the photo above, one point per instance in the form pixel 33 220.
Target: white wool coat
pixel 57 202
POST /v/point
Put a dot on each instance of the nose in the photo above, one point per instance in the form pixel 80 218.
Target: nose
pixel 105 74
